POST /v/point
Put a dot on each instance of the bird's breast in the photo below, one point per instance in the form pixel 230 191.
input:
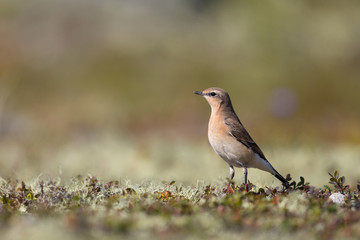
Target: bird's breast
pixel 226 146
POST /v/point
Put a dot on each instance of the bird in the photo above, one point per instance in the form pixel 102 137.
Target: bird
pixel 229 138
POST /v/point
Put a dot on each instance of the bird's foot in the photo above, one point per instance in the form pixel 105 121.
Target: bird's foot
pixel 248 187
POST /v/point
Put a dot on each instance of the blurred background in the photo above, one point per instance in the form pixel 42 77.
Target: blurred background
pixel 106 87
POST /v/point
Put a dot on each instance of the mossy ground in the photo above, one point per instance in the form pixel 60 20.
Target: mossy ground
pixel 87 207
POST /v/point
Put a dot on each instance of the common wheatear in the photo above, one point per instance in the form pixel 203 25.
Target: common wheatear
pixel 229 138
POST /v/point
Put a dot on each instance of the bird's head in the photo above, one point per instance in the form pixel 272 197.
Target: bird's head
pixel 216 97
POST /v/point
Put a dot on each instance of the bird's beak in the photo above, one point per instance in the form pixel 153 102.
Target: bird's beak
pixel 199 93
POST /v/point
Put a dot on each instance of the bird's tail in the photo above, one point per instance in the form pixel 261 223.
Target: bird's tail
pixel 282 179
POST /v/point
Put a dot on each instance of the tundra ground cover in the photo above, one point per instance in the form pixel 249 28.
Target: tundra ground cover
pixel 87 207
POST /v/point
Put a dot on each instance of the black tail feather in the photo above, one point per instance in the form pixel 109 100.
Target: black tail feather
pixel 282 179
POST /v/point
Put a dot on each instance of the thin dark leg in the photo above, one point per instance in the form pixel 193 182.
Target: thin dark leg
pixel 232 174
pixel 245 174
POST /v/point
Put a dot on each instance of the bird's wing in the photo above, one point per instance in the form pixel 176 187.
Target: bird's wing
pixel 237 130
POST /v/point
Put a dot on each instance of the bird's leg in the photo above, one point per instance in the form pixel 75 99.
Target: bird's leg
pixel 232 174
pixel 245 174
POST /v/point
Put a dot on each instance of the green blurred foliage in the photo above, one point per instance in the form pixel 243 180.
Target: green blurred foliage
pixel 129 64
pixel 73 70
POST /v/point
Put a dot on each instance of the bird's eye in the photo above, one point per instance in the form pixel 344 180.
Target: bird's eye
pixel 212 94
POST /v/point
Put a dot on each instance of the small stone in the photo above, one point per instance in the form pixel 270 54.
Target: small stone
pixel 337 198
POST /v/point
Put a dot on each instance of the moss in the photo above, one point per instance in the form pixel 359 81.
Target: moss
pixel 152 208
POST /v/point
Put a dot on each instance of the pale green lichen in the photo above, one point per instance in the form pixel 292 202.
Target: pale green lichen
pixel 157 208
pixel 338 198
